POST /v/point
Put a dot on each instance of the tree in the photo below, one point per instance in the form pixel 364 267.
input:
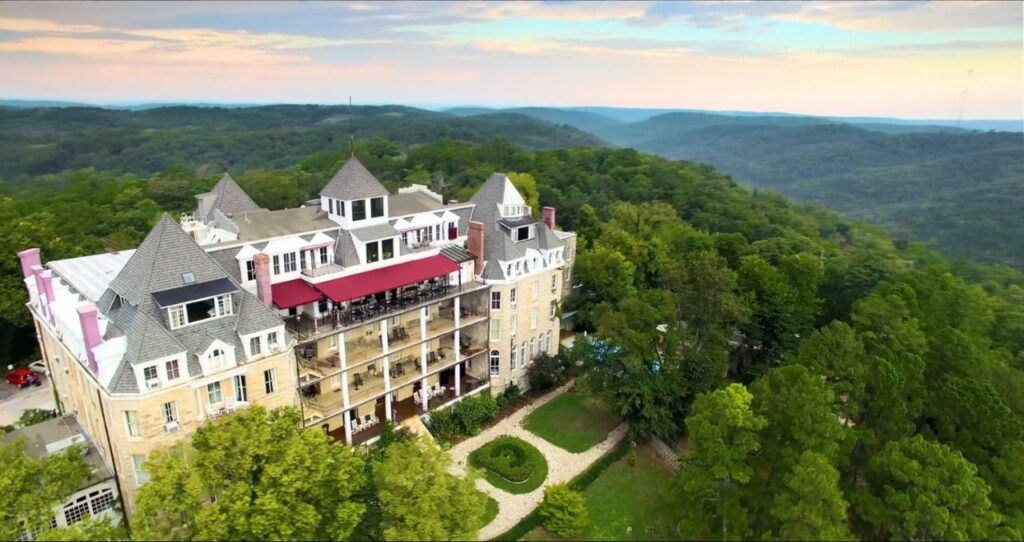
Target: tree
pixel 836 353
pixel 923 490
pixel 31 486
pixel 563 511
pixel 707 298
pixel 272 189
pixel 775 321
pixel 810 505
pixel 1006 476
pixel 798 408
pixel 420 499
pixel 546 372
pixel 724 436
pixel 89 530
pixel 252 475
pixel 970 416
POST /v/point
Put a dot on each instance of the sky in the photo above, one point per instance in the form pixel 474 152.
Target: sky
pixel 898 59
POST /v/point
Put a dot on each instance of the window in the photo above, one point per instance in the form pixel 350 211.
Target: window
pixel 437 232
pixel 536 289
pixel 323 255
pixel 513 359
pixel 554 309
pixel 508 270
pixel 76 511
pixel 254 346
pixel 523 233
pixel 101 500
pixel 272 341
pixel 250 270
pixel 340 206
pixel 358 209
pixel 495 330
pixel 554 282
pixel 177 316
pixel 533 318
pixel 289 262
pixel 303 263
pixel 495 301
pixel 387 249
pixel 330 206
pixel 172 369
pixel 270 381
pixel 170 412
pixel 513 298
pixel 533 347
pixel 131 421
pixel 513 326
pixel 547 342
pixel 372 252
pixel 141 476
pixel 241 390
pixel 376 207
pixel 495 363
pixel 213 393
pixel 277 265
pixel 150 373
pixel 522 350
pixel 218 358
pixel 224 306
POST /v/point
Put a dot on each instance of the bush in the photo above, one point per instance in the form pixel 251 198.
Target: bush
pixel 443 425
pixel 511 464
pixel 472 412
pixel 510 396
pixel 563 511
pixel 547 372
pixel 33 416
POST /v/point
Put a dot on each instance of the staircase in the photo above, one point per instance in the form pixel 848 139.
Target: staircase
pixel 666 453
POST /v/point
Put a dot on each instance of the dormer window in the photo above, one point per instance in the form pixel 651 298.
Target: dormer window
pixel 376 207
pixel 197 311
pixel 218 359
pixel 523 233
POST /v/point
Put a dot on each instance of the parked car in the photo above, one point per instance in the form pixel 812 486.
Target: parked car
pixel 23 378
pixel 39 367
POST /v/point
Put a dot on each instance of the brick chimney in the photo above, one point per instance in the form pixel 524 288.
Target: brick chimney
pixel 475 244
pixel 261 263
pixel 29 259
pixel 90 333
pixel 548 216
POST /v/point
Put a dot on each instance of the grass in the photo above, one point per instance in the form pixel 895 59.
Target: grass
pixel 573 421
pixel 627 502
pixel 511 464
pixel 490 512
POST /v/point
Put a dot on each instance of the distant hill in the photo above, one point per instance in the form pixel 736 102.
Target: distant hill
pixel 36 141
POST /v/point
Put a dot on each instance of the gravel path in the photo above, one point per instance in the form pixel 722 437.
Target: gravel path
pixel 562 465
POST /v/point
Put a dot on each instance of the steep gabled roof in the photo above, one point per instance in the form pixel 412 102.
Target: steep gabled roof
pixel 160 261
pixel 353 181
pixel 229 198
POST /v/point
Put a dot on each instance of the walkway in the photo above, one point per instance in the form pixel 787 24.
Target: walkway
pixel 562 465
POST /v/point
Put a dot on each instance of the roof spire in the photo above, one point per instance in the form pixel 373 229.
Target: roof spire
pixel 351 129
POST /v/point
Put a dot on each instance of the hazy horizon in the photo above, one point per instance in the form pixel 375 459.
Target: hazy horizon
pixel 903 60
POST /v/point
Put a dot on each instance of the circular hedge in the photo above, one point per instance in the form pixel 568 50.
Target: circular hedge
pixel 511 464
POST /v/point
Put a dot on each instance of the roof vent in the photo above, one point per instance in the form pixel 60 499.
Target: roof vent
pixel 188 278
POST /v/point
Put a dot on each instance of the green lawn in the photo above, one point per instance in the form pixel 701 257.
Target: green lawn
pixel 574 421
pixel 625 497
pixel 490 513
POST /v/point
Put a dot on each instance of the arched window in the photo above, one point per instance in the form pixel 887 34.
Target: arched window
pixel 533 348
pixel 495 363
pixel 217 358
pixel 547 343
pixel 514 358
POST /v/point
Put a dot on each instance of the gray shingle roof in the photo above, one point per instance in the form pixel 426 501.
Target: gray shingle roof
pixel 229 198
pixel 487 198
pixel 373 233
pixel 353 181
pixel 345 253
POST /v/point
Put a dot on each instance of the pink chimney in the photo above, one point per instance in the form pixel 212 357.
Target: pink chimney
pixel 548 216
pixel 44 280
pixel 261 263
pixel 29 259
pixel 90 333
pixel 41 295
pixel 475 244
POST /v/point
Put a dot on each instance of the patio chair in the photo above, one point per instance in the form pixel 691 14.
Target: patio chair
pixel 374 419
pixel 416 398
pixel 356 425
pixel 367 421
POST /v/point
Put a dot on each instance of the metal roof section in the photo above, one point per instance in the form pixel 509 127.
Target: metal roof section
pixel 91 275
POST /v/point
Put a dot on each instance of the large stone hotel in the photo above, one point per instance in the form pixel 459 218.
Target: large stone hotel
pixel 360 307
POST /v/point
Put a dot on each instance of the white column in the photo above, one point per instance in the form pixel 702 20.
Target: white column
pixel 387 406
pixel 344 390
pixel 347 418
pixel 385 349
pixel 458 379
pixel 424 397
pixel 458 312
pixel 342 352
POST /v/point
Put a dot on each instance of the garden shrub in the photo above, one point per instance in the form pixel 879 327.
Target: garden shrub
pixel 511 464
pixel 472 412
pixel 443 425
pixel 563 511
pixel 547 372
pixel 510 396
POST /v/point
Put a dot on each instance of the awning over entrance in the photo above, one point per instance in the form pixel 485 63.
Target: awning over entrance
pixel 293 293
pixel 388 278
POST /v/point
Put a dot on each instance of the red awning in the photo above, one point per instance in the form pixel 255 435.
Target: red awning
pixel 388 278
pixel 293 293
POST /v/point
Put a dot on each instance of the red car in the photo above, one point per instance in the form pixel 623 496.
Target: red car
pixel 23 378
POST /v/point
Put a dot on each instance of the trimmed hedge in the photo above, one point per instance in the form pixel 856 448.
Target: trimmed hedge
pixel 579 483
pixel 511 464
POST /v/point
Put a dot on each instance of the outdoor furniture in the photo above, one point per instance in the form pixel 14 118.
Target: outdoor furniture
pixel 356 425
pixel 374 419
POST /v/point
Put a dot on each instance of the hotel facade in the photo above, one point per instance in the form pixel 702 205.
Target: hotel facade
pixel 360 307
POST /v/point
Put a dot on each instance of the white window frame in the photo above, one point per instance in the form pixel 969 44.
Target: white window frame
pixel 255 346
pixel 218 361
pixel 513 295
pixel 277 264
pixel 210 388
pixel 512 359
pixel 177 316
pixel 533 347
pixel 272 341
pixel 290 263
pixel 496 300
pixel 513 326
pixel 138 461
pixel 322 255
pixel 495 363
pixel 177 369
pixel 270 381
pixel 131 423
pixel 495 329
pixel 241 389
pixel 250 270
pixel 169 410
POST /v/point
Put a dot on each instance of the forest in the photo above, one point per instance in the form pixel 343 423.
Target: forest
pixel 821 369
